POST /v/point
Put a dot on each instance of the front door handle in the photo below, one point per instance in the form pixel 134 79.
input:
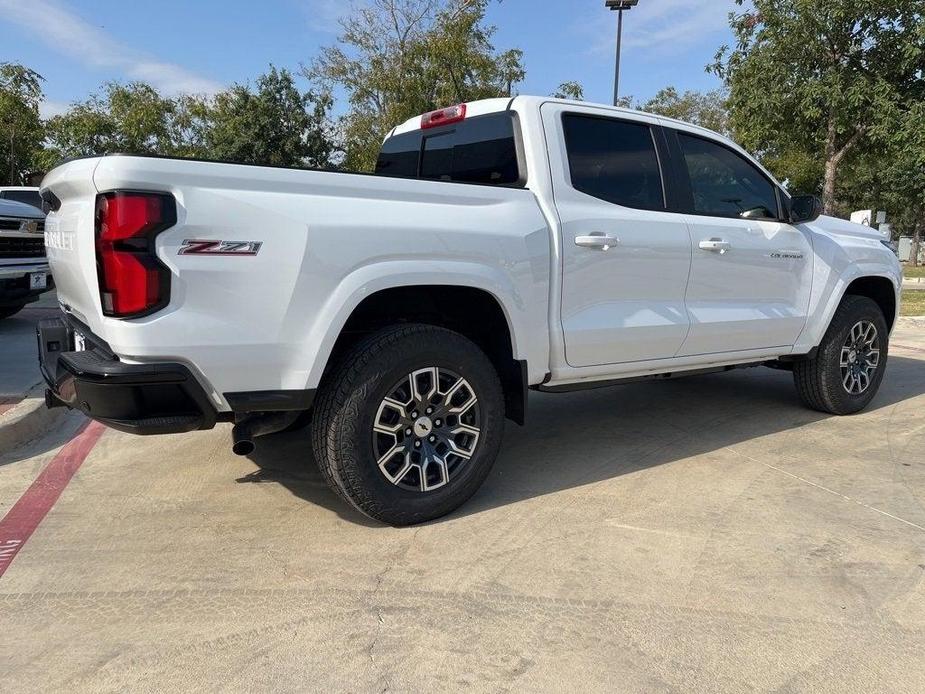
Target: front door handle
pixel 597 240
pixel 715 245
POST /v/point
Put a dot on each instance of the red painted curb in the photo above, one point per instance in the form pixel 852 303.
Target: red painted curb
pixel 28 512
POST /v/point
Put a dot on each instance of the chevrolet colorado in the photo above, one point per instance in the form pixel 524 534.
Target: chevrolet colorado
pixel 501 246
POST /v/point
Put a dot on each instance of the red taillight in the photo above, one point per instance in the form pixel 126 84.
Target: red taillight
pixel 132 280
pixel 444 116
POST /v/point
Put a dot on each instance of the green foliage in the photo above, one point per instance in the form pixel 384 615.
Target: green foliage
pixel 275 125
pixel 626 102
pixel 800 170
pixel 190 123
pixel 396 59
pixel 810 81
pixel 130 118
pixel 570 90
pixel 707 109
pixel 889 174
pixel 21 130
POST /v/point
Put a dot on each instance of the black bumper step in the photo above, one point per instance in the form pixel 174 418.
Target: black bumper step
pixel 151 398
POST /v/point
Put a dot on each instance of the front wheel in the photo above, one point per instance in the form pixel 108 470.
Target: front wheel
pixel 408 426
pixel 848 367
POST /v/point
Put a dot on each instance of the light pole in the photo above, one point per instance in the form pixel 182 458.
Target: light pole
pixel 619 6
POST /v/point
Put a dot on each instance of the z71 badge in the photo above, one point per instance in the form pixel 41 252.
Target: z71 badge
pixel 201 247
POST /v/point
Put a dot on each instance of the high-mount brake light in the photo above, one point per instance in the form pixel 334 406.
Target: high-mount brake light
pixel 445 116
pixel 133 282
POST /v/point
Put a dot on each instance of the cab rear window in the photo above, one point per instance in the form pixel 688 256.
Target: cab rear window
pixel 482 150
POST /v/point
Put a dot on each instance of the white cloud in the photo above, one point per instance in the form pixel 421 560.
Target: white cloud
pixel 324 15
pixel 665 27
pixel 68 34
pixel 49 108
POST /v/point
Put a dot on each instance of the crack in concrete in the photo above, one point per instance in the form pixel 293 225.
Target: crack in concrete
pixel 826 489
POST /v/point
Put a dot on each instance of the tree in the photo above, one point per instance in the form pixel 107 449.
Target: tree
pixel 819 76
pixel 21 129
pixel 906 174
pixel 276 125
pixel 189 126
pixel 399 58
pixel 129 118
pixel 707 109
pixel 570 90
pixel 889 174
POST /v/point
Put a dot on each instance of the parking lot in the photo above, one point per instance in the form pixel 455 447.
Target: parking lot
pixel 703 534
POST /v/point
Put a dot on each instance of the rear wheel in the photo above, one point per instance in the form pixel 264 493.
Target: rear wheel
pixel 409 425
pixel 849 365
pixel 7 311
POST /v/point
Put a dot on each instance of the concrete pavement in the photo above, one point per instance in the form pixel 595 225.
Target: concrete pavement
pixel 706 534
pixel 23 414
pixel 20 370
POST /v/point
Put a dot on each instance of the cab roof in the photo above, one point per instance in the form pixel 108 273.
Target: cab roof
pixel 525 103
pixel 486 106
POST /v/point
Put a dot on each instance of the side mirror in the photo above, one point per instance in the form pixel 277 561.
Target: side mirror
pixel 805 208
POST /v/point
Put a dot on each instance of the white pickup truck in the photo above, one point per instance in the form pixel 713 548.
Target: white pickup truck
pixel 23 266
pixel 501 246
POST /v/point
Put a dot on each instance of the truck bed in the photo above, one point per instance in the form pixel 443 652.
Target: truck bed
pixel 326 241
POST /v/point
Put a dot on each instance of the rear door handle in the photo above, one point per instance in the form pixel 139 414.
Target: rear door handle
pixel 715 245
pixel 597 240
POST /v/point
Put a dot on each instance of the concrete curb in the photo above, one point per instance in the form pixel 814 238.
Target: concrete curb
pixel 27 420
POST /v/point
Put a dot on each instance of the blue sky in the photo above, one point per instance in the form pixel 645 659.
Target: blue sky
pixel 203 45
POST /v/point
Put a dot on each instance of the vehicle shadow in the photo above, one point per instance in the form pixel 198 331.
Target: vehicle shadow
pixel 589 436
pixel 287 459
pixel 64 430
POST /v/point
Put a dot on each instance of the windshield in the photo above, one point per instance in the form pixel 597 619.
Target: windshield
pixel 30 197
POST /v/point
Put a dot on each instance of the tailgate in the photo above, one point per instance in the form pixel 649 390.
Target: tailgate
pixel 70 238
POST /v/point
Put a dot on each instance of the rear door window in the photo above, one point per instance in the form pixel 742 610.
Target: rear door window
pixel 482 150
pixel 614 160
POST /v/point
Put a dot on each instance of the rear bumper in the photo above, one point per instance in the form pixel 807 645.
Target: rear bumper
pixel 152 398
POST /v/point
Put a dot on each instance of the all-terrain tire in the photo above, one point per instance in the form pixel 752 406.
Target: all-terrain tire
pixel 820 381
pixel 348 403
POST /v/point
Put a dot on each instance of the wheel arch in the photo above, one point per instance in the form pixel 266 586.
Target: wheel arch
pixel 880 286
pixel 470 307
